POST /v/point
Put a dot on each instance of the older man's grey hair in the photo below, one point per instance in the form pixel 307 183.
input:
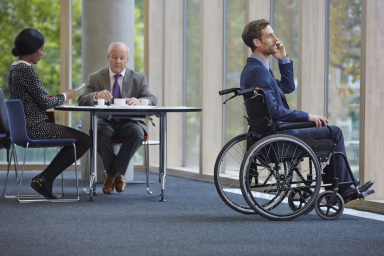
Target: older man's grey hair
pixel 111 45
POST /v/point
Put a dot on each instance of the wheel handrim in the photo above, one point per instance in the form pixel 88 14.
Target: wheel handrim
pixel 277 182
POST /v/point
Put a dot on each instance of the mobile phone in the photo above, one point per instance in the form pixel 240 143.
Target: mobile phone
pixel 81 86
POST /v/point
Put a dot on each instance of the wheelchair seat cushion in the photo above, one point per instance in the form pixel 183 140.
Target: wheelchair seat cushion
pixel 322 148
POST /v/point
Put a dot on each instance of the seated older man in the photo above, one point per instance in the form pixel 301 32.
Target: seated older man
pixel 117 81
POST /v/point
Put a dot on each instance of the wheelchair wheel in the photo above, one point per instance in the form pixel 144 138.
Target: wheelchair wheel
pixel 287 178
pixel 329 210
pixel 298 198
pixel 226 174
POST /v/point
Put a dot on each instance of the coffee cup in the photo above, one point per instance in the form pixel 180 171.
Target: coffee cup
pixel 144 102
pixel 120 101
pixel 101 102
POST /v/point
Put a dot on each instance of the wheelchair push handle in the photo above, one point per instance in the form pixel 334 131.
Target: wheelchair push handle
pixel 226 91
pixel 248 91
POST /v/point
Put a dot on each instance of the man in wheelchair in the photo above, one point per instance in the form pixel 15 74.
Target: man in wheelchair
pixel 260 37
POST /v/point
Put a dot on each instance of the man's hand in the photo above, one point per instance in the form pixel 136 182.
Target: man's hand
pixel 318 120
pixel 71 94
pixel 280 54
pixel 105 94
pixel 133 101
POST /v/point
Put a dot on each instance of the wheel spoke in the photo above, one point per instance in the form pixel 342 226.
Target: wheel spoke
pixel 336 210
pixel 227 169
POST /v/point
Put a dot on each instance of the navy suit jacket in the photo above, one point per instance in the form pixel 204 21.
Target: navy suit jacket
pixel 255 74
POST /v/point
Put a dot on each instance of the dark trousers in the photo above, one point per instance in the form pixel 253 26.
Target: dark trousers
pixel 129 133
pixel 66 157
pixel 341 167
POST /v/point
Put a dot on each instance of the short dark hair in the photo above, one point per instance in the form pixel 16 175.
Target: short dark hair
pixel 27 42
pixel 253 30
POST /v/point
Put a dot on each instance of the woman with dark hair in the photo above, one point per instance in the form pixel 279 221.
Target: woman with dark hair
pixel 24 84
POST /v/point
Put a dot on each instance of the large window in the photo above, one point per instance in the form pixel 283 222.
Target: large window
pixel 45 17
pixel 235 57
pixel 285 25
pixel 344 73
pixel 16 15
pixel 76 56
pixel 191 145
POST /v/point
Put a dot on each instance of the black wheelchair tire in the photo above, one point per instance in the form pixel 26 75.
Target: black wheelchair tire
pixel 236 203
pixel 325 215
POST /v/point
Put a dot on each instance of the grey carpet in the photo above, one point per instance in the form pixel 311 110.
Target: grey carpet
pixel 193 221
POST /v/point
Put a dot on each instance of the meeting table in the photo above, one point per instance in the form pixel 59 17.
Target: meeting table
pixel 127 111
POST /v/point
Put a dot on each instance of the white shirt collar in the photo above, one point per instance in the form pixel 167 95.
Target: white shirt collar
pixel 20 61
pixel 111 74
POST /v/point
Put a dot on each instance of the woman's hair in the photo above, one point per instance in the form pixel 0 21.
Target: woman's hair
pixel 27 42
pixel 253 30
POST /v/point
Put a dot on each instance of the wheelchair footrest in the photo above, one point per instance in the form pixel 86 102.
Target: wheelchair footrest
pixel 367 193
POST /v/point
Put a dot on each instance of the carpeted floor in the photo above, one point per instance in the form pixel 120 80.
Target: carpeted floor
pixel 193 221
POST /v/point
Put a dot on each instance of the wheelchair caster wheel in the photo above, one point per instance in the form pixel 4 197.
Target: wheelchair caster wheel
pixel 298 198
pixel 326 209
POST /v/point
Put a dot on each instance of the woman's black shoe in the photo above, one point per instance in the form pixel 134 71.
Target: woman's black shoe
pixel 39 185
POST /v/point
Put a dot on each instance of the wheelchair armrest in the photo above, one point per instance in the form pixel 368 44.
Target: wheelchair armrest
pixel 290 126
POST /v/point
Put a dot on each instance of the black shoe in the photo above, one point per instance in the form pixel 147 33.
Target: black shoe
pixel 349 194
pixel 357 182
pixel 39 185
pixel 366 186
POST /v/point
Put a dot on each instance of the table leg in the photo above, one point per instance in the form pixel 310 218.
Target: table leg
pixel 93 176
pixel 163 153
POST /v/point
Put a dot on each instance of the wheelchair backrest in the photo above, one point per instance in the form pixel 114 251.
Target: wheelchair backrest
pixel 260 120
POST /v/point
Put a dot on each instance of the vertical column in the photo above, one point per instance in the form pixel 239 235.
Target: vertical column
pixel 65 53
pixel 310 75
pixel 256 9
pixel 173 77
pixel 153 62
pixel 104 22
pixel 371 97
pixel 211 82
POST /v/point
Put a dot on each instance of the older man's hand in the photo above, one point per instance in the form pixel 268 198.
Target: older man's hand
pixel 105 94
pixel 133 101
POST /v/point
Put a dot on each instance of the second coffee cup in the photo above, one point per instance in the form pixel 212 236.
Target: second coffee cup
pixel 120 101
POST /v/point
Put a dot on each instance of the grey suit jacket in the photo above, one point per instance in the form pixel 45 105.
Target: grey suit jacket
pixel 134 85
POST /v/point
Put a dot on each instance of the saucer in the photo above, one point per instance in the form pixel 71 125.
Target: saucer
pixel 118 105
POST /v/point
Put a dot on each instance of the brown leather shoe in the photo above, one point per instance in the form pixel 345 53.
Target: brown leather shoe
pixel 109 184
pixel 120 183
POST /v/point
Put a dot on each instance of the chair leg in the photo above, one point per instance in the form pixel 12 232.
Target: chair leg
pixel 24 199
pixel 22 172
pixel 77 180
pixel 9 167
pixel 62 178
pixel 21 177
pixel 16 163
pixel 146 155
pixel 85 173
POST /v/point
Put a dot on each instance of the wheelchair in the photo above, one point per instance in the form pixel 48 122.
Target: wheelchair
pixel 278 175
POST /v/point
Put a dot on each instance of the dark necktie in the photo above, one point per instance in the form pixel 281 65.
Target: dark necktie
pixel 270 71
pixel 116 89
pixel 116 92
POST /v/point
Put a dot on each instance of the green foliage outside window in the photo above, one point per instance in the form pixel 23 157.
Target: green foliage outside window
pixel 43 15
